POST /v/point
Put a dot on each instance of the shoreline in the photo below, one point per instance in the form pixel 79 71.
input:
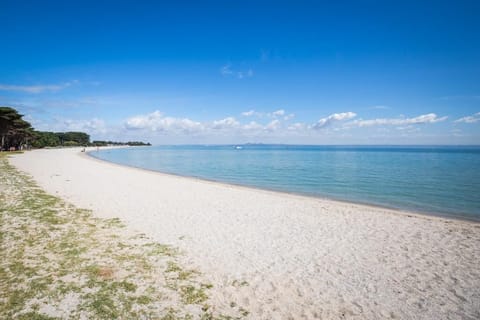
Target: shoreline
pixel 395 210
pixel 82 277
pixel 282 256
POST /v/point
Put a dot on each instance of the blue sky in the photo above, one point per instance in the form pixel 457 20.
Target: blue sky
pixel 343 72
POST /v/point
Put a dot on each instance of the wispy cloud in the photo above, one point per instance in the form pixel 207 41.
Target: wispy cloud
pixel 469 119
pixel 250 113
pixel 91 126
pixel 408 128
pixel 278 113
pixel 227 71
pixel 457 133
pixel 273 125
pixel 461 97
pixel 94 125
pixel 245 74
pixel 281 114
pixel 37 88
pixel 324 122
pixel 422 119
pixel 298 126
pixel 379 107
pixel 252 126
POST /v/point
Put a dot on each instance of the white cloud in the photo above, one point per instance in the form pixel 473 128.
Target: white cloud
pixel 186 125
pixel 277 113
pixel 469 119
pixel 324 122
pixel 227 71
pixel 422 119
pixel 298 126
pixel 90 126
pixel 251 113
pixel 155 121
pixel 252 126
pixel 273 125
pixel 36 123
pixel 247 74
pixel 156 126
pixel 144 121
pixel 380 107
pixel 37 88
pixel 461 97
pixel 408 128
pixel 95 124
pixel 457 133
pixel 227 123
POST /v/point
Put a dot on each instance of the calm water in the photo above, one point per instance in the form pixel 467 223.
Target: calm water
pixel 440 180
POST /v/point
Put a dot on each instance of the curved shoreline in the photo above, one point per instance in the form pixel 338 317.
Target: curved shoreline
pixel 287 256
pixel 395 210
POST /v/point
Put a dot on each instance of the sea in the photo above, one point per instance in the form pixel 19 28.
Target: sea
pixel 438 180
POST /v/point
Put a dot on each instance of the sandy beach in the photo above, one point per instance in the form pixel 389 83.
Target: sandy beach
pixel 291 257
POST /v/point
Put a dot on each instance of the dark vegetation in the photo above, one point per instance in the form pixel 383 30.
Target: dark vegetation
pixel 101 143
pixel 17 134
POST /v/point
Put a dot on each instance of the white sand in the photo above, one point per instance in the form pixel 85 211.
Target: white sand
pixel 303 258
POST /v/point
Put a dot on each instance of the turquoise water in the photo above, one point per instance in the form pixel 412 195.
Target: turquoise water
pixel 438 180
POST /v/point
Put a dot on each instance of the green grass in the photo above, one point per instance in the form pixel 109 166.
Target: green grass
pixel 193 295
pixel 35 316
pixel 51 251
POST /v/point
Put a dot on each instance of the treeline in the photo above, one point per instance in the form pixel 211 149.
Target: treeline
pixel 14 131
pixel 101 143
pixel 44 139
pixel 17 134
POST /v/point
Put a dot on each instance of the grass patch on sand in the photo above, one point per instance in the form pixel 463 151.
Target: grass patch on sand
pixel 59 262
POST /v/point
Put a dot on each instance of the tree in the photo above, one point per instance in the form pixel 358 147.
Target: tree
pixel 14 130
pixel 44 139
pixel 80 138
pixel 7 117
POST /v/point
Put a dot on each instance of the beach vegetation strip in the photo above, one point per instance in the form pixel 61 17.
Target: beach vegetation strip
pixel 60 262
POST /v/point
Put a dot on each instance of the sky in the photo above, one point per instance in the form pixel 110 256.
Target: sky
pixel 230 72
